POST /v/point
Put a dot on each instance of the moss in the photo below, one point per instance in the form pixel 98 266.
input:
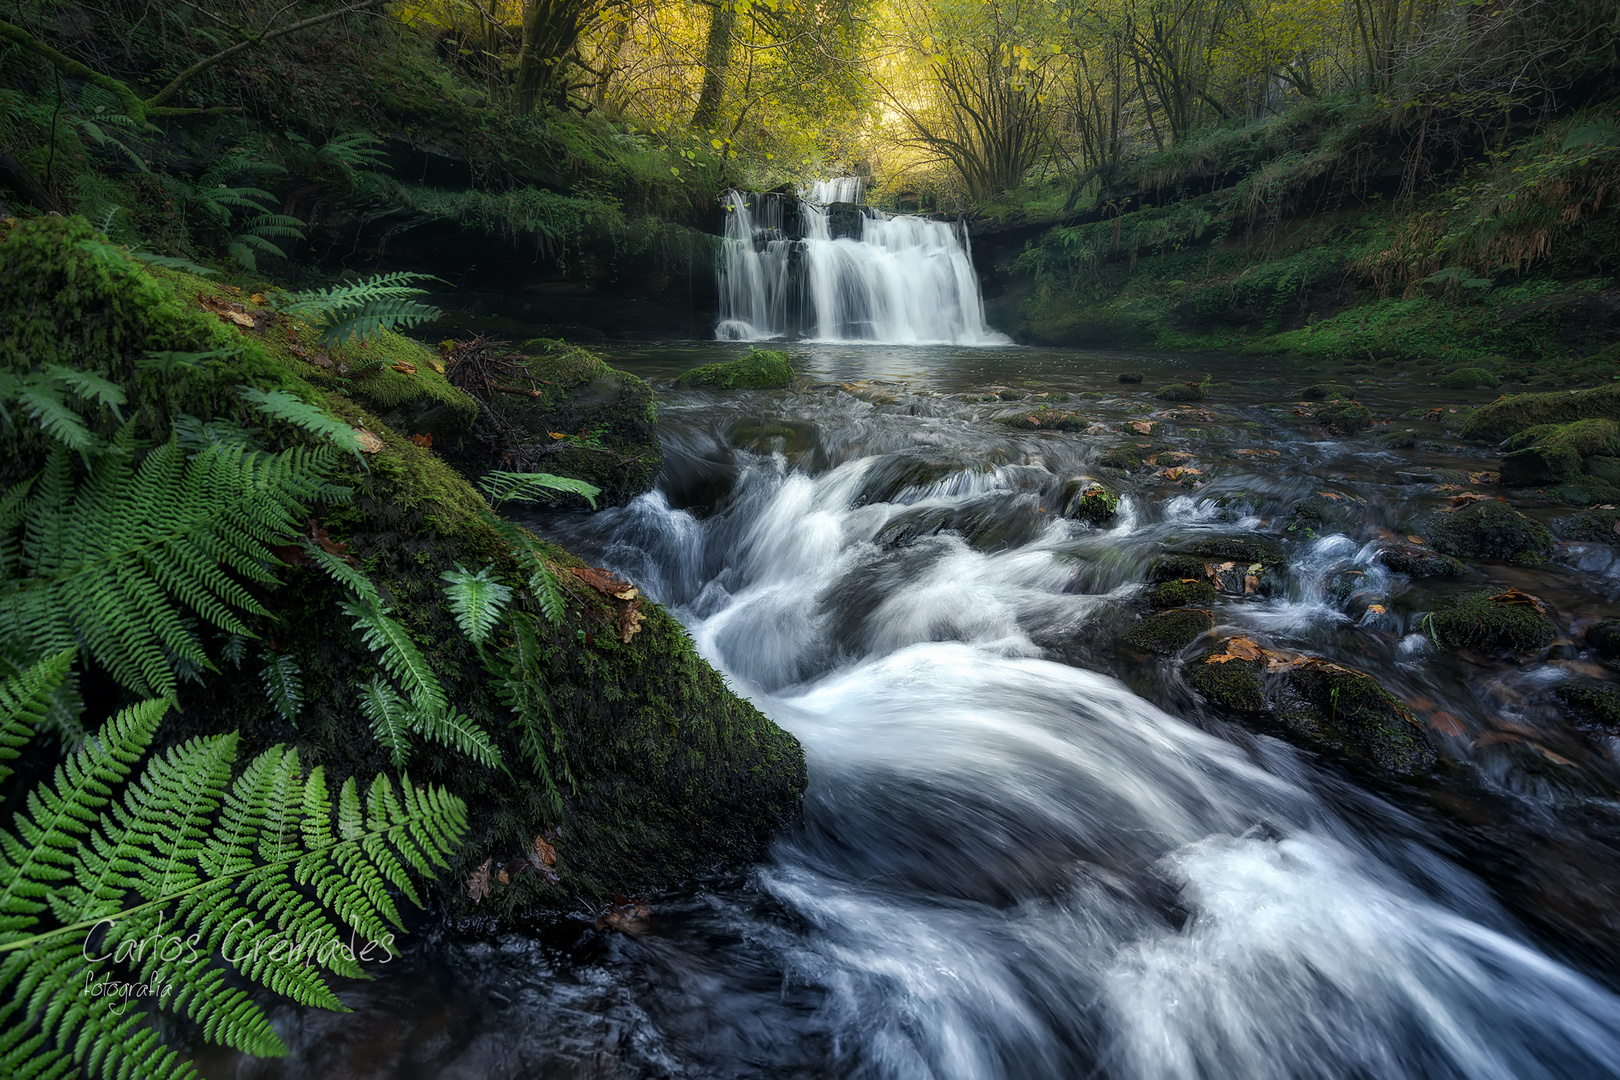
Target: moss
pixel 1175 567
pixel 1480 620
pixel 1130 376
pixel 1180 392
pixel 1181 593
pixel 1467 378
pixel 1594 704
pixel 760 369
pixel 1125 458
pixel 1550 453
pixel 1044 419
pixel 1325 391
pixel 1510 415
pixel 1421 563
pixel 1168 632
pixel 1490 530
pixel 1234 685
pixel 606 418
pixel 1344 417
pixel 1604 639
pixel 1250 549
pixel 1406 439
pixel 1342 710
pixel 1094 502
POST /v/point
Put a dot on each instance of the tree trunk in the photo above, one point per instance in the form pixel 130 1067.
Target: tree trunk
pixel 550 29
pixel 716 59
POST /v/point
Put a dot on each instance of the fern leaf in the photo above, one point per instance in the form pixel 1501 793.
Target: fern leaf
pixel 447 727
pixel 373 317
pixel 500 487
pixel 399 655
pixel 283 685
pixel 88 385
pixel 478 601
pixel 45 403
pixel 548 595
pixel 25 702
pixel 243 254
pixel 382 705
pixel 282 405
pixel 172 263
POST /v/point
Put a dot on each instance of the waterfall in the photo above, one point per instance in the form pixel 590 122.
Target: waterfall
pixel 822 268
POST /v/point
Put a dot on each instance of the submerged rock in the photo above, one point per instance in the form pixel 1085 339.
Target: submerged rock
pixel 1180 392
pixel 1094 502
pixel 1168 632
pixel 1510 415
pixel 1324 391
pixel 1344 417
pixel 1421 563
pixel 1325 706
pixel 758 369
pixel 1489 529
pixel 1130 376
pixel 1511 620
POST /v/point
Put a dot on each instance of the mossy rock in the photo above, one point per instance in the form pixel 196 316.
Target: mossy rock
pixel 1176 567
pixel 1124 458
pixel 1421 563
pixel 1344 417
pixel 1243 549
pixel 1468 378
pixel 1317 513
pixel 1181 593
pixel 1130 377
pixel 662 769
pixel 1489 530
pixel 1406 439
pixel 1510 415
pixel 1326 391
pixel 1045 419
pixel 1551 453
pixel 1604 468
pixel 1093 502
pixel 607 419
pixel 401 381
pixel 1180 392
pixel 1576 491
pixel 1344 711
pixel 1483 621
pixel 1595 704
pixel 1604 639
pixel 1592 526
pixel 1168 632
pixel 1011 395
pixel 1233 685
pixel 759 369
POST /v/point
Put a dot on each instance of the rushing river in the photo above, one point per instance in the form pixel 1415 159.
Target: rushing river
pixel 1026 853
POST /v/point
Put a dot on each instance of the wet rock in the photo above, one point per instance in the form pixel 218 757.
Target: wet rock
pixel 1596 525
pixel 1045 419
pixel 1130 376
pixel 1510 415
pixel 894 474
pixel 1176 567
pixel 1467 378
pixel 1604 639
pixel 1603 467
pixel 1406 439
pixel 1182 593
pixel 1594 704
pixel 1490 529
pixel 1344 417
pixel 1180 392
pixel 1317 513
pixel 1010 395
pixel 1433 476
pixel 1124 458
pixel 1094 502
pixel 1421 563
pixel 1168 632
pixel 1323 705
pixel 913 525
pixel 760 369
pixel 1510 620
pixel 1551 453
pixel 1325 391
pixel 1251 549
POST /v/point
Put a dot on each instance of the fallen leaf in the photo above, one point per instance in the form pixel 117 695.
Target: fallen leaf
pixel 369 442
pixel 405 368
pixel 1557 759
pixel 544 853
pixel 503 877
pixel 321 360
pixel 605 582
pixel 1258 453
pixel 1415 539
pixel 1180 471
pixel 1483 477
pixel 1491 738
pixel 630 620
pixel 626 916
pixel 1447 724
pixel 1251 584
pixel 1375 609
pixel 1239 648
pixel 259 298
pixel 1515 596
pixel 1141 427
pixel 478 882
pixel 1330 495
pixel 424 441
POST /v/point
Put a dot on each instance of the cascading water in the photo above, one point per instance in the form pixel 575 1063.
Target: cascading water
pixel 896 279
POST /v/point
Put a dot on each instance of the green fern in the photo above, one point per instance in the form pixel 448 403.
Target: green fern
pixel 500 487
pixel 283 685
pixel 518 679
pixel 172 876
pixel 478 601
pixel 45 396
pixel 363 309
pixel 389 715
pixel 294 410
pixel 112 562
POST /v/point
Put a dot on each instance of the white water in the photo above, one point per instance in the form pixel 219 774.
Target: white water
pixel 903 280
pixel 1015 869
pixel 845 189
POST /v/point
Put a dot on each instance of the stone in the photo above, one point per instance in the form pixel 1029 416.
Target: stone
pixel 1168 632
pixel 1490 529
pixel 759 369
pixel 1509 620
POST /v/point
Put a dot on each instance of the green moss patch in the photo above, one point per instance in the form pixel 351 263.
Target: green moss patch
pixel 760 369
pixel 1044 419
pixel 1594 704
pixel 1094 502
pixel 1490 530
pixel 1244 549
pixel 1181 593
pixel 1481 620
pixel 1344 417
pixel 1326 391
pixel 1168 632
pixel 1551 453
pixel 1180 392
pixel 1421 563
pixel 1510 415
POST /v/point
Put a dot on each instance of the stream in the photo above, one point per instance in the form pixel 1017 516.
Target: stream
pixel 1027 852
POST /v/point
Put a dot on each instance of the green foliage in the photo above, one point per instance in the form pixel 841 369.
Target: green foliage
pixel 283 685
pixel 363 309
pixel 501 487
pixel 478 601
pixel 293 409
pixel 167 875
pixel 758 369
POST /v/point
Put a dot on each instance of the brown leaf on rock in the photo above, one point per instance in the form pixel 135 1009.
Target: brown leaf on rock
pixel 1246 452
pixel 1483 477
pixel 404 367
pixel 1239 648
pixel 1447 724
pixel 1415 539
pixel 1251 583
pixel 478 882
pixel 1376 609
pixel 1515 596
pixel 1141 427
pixel 626 916
pixel 605 582
pixel 503 877
pixel 1556 759
pixel 369 443
pixel 424 441
pixel 630 620
pixel 1491 738
pixel 544 853
pixel 1469 498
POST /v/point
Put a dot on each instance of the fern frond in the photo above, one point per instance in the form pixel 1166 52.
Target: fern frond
pixel 518 683
pixel 353 294
pixel 243 254
pixel 500 487
pixel 289 407
pixel 448 727
pixel 382 705
pixel 548 595
pixel 88 386
pixel 399 655
pixel 172 263
pixel 477 600
pixel 363 308
pixel 373 318
pixel 283 685
pixel 25 702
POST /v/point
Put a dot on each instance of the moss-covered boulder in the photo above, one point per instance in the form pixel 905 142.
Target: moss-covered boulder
pixel 758 369
pixel 1469 378
pixel 1123 458
pixel 1604 639
pixel 1344 417
pixel 1510 620
pixel 1243 549
pixel 1183 592
pixel 1093 502
pixel 1045 419
pixel 1326 391
pixel 1421 562
pixel 1323 705
pixel 622 754
pixel 1168 632
pixel 1510 415
pixel 1131 377
pixel 561 409
pixel 1489 529
pixel 1552 453
pixel 1594 705
pixel 1180 392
